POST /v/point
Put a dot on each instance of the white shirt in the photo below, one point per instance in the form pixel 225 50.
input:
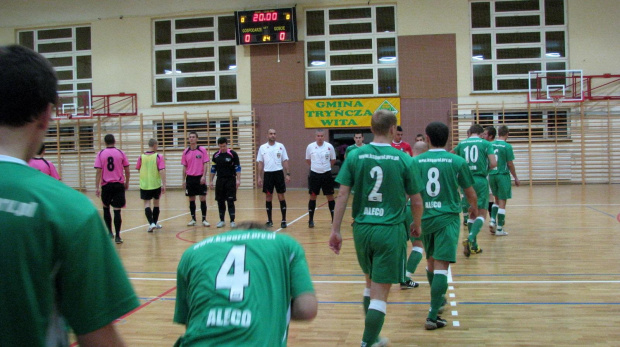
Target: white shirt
pixel 320 156
pixel 272 156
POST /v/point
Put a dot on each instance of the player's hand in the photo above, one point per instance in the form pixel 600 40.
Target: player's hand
pixel 183 184
pixel 287 179
pixel 163 189
pixel 238 183
pixel 473 211
pixel 97 192
pixel 203 180
pixel 517 182
pixel 126 185
pixel 211 185
pixel 259 182
pixel 415 231
pixel 335 242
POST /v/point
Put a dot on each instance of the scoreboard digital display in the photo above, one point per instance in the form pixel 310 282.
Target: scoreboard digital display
pixel 266 26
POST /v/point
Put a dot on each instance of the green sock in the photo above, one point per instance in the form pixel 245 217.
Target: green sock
pixel 372 327
pixel 438 290
pixel 414 259
pixel 494 210
pixel 430 276
pixel 475 229
pixel 469 225
pixel 501 218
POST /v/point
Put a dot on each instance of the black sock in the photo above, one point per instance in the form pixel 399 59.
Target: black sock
pixel 311 208
pixel 149 215
pixel 231 209
pixel 117 222
pixel 268 207
pixel 155 214
pixel 107 218
pixel 221 207
pixel 490 207
pixel 192 209
pixel 283 209
pixel 203 209
pixel 332 205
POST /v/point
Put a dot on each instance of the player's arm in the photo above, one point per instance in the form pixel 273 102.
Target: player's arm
pixel 304 307
pixel 287 172
pixel 162 174
pixel 513 172
pixel 98 181
pixel 212 175
pixel 104 337
pixel 127 174
pixel 205 172
pixel 335 239
pixel 417 209
pixel 184 176
pixel 492 161
pixel 261 172
pixel 472 199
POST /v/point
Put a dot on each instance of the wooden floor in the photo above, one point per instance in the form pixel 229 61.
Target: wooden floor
pixel 554 280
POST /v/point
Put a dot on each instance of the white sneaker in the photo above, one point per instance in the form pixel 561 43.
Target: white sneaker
pixel 157 226
pixel 151 227
pixel 233 224
pixel 220 224
pixel 191 223
pixel 500 233
pixel 381 342
pixel 205 223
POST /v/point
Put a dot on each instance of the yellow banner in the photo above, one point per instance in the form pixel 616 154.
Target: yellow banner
pixel 346 113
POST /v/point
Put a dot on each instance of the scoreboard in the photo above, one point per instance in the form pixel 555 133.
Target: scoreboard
pixel 266 26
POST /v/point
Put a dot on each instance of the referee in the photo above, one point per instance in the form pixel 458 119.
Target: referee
pixel 272 164
pixel 320 155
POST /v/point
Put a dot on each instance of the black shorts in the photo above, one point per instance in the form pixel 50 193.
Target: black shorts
pixel 274 179
pixel 150 194
pixel 226 188
pixel 193 186
pixel 113 194
pixel 318 181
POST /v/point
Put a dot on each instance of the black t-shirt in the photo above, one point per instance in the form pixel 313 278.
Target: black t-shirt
pixel 225 164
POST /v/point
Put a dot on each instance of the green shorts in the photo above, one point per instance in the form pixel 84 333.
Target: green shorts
pixel 381 251
pixel 481 186
pixel 501 186
pixel 442 244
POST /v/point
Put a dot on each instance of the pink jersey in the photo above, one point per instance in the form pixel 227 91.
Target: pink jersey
pixel 403 146
pixel 194 160
pixel 112 162
pixel 44 166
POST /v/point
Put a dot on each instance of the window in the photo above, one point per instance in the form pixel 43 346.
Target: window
pixel 511 38
pixel 171 134
pixel 69 138
pixel 351 52
pixel 68 49
pixel 545 125
pixel 195 60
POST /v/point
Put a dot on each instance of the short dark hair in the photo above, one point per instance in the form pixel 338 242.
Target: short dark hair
pixel 399 128
pixel 503 130
pixel 476 129
pixel 419 135
pixel 28 84
pixel 193 132
pixel 222 140
pixel 438 133
pixel 382 121
pixel 491 131
pixel 109 139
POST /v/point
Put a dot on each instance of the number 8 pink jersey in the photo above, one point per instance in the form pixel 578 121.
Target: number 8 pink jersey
pixel 112 162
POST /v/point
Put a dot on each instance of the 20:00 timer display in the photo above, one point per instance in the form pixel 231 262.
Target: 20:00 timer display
pixel 266 26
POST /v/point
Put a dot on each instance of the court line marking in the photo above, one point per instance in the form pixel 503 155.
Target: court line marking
pixel 605 213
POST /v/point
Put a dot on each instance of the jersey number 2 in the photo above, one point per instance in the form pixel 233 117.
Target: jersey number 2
pixel 376 173
pixel 232 274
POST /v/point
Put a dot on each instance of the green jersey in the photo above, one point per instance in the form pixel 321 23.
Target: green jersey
pixel 503 154
pixel 476 152
pixel 381 177
pixel 57 265
pixel 236 288
pixel 442 174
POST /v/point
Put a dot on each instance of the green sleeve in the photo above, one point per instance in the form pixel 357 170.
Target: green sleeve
pixel 344 176
pixel 301 281
pixel 181 308
pixel 414 184
pixel 510 155
pixel 466 179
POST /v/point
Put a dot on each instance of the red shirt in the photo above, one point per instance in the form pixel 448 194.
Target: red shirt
pixel 403 146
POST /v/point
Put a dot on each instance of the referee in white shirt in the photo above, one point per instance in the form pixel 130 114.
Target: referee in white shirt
pixel 320 155
pixel 272 158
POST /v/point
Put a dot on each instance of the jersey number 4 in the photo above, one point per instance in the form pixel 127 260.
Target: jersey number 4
pixel 232 274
